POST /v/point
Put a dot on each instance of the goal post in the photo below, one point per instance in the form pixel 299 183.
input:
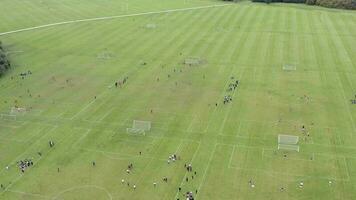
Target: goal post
pixel 289 67
pixel 17 111
pixel 288 142
pixel 139 127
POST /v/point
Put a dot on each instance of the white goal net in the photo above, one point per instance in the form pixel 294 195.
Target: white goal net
pixel 139 127
pixel 18 111
pixel 288 142
pixel 289 67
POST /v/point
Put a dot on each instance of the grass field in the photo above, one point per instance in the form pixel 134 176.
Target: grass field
pixel 71 100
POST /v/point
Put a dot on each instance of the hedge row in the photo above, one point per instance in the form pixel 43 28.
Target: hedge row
pixel 4 62
pixel 344 4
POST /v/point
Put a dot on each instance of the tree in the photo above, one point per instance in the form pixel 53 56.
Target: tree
pixel 4 62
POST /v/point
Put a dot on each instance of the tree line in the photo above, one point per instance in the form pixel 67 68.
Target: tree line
pixel 344 4
pixel 4 61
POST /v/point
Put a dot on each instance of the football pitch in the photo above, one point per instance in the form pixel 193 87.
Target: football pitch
pixel 217 81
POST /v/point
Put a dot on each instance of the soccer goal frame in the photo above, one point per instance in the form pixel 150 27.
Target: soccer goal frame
pixel 139 127
pixel 288 142
pixel 289 67
pixel 18 111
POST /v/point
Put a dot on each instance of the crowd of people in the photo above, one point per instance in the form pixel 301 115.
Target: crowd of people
pixel 173 158
pixel 232 87
pixel 353 101
pixel 24 74
pixel 188 195
pixel 121 82
pixel 227 99
pixel 24 164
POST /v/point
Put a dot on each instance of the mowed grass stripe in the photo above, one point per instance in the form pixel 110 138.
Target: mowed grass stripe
pixel 168 43
pixel 173 37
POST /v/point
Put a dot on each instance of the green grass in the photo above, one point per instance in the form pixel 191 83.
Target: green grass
pixel 228 145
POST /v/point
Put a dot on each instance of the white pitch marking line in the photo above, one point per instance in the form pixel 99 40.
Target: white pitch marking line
pixel 180 144
pixel 191 124
pixel 31 194
pixel 84 186
pixel 347 106
pixel 18 157
pixel 19 177
pixel 83 109
pixel 111 17
pixel 191 161
pixel 106 114
pixel 229 111
pixel 206 169
pixel 121 155
pixel 222 93
pixel 239 129
pixel 232 154
pixel 274 174
pixel 82 137
pixel 347 168
pixel 32 136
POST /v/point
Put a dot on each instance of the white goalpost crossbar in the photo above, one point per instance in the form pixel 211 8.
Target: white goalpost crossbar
pixel 139 127
pixel 290 67
pixel 288 142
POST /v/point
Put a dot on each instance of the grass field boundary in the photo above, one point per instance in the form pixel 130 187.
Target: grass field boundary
pixel 114 17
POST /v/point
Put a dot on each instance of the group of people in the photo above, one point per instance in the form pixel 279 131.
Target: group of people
pixel 173 158
pixel 51 143
pixel 227 99
pixel 24 74
pixel 24 164
pixel 353 101
pixel 232 86
pixel 189 196
pixel 129 168
pixel 120 83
